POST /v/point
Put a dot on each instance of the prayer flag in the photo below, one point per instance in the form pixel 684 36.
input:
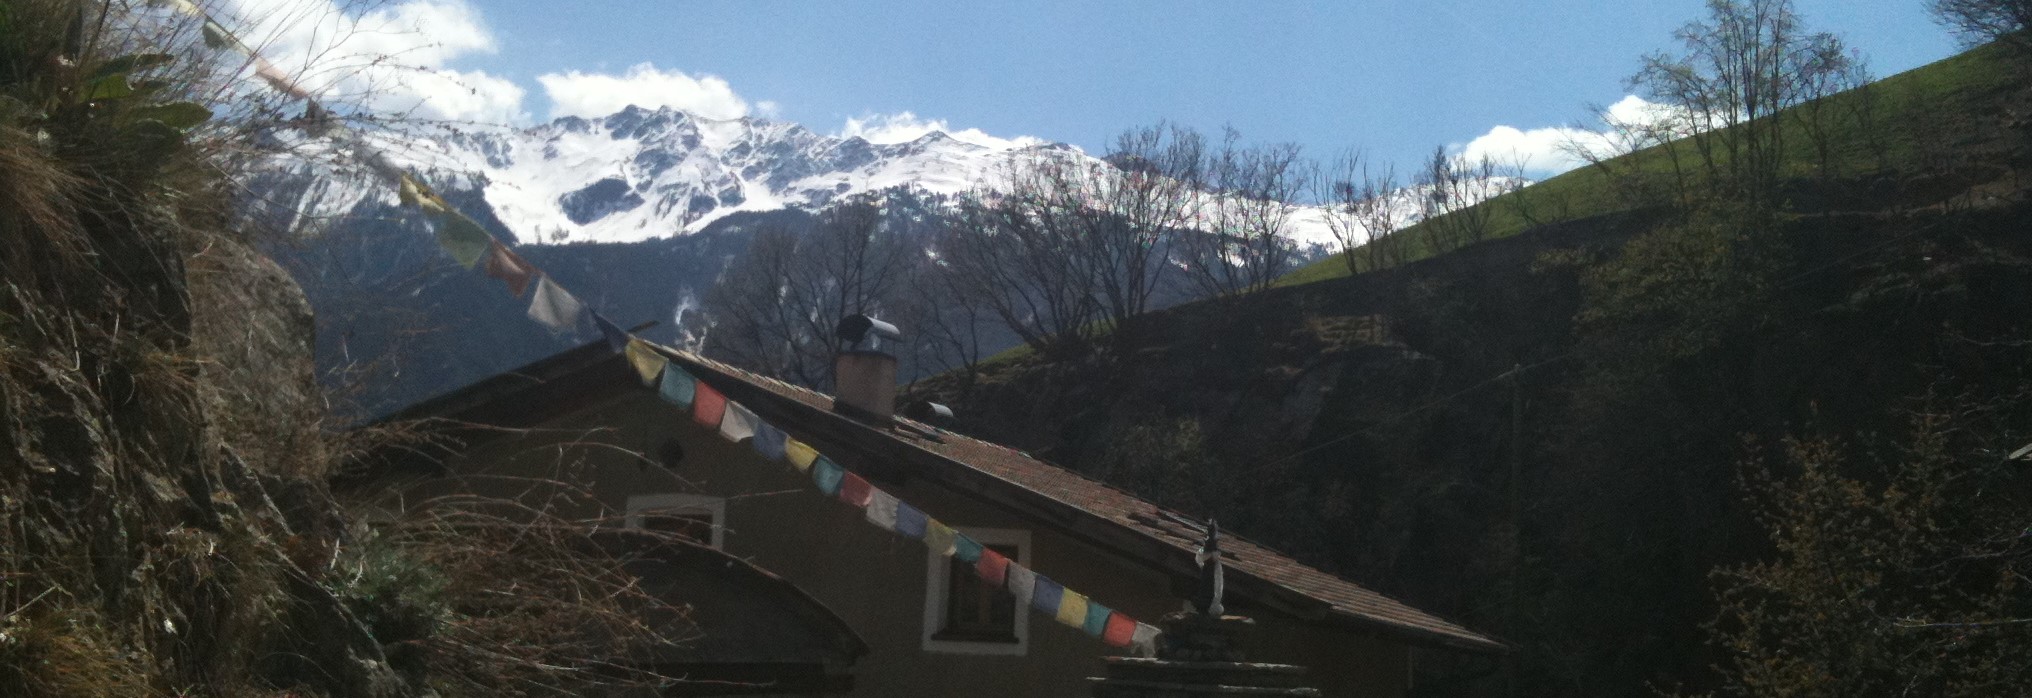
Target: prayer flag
pixel 1072 609
pixel 993 567
pixel 1144 640
pixel 555 307
pixel 1046 596
pixel 1022 584
pixel 707 406
pixel 216 36
pixel 855 490
pixel 678 386
pixel 738 423
pixel 375 160
pixel 799 454
pixel 827 475
pixel 882 510
pixel 769 441
pixel 938 537
pixel 648 362
pixel 408 191
pixel 1119 631
pixel 1097 619
pixel 278 79
pixel 966 549
pixel 462 238
pixel 505 265
pixel 617 338
pixel 910 523
pixel 184 6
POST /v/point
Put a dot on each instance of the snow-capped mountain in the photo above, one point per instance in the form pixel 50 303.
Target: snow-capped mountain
pixel 641 174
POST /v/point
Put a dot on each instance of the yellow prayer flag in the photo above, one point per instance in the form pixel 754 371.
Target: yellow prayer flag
pixel 939 539
pixel 648 363
pixel 800 454
pixel 409 192
pixel 1072 609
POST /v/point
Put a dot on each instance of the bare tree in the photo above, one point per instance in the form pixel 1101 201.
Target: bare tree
pixel 775 308
pixel 1142 206
pixel 946 333
pixel 1740 69
pixel 1983 21
pixel 1244 215
pixel 1022 256
pixel 1362 209
pixel 1450 189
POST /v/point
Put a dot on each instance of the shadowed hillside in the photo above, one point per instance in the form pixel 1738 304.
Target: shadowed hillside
pixel 1542 434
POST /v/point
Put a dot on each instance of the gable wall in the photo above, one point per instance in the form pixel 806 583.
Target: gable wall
pixel 876 580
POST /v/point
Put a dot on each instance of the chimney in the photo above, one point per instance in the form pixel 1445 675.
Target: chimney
pixel 867 385
pixel 866 378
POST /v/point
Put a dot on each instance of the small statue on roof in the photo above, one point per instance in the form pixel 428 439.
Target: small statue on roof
pixel 1208 600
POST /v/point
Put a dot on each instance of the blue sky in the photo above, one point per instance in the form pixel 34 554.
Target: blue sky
pixel 1394 77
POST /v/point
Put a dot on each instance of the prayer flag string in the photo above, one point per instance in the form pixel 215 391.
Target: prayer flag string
pixel 886 511
pixel 468 243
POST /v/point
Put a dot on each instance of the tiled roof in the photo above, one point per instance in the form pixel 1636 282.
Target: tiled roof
pixel 1340 599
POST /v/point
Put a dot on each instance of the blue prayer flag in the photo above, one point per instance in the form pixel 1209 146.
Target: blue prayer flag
pixel 768 441
pixel 1045 595
pixel 617 338
pixel 910 523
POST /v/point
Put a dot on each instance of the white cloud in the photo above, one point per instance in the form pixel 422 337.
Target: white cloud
pixel 1553 149
pixel 575 93
pixel 904 127
pixel 394 59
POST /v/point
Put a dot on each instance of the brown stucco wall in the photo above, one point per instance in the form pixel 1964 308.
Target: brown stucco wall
pixel 876 580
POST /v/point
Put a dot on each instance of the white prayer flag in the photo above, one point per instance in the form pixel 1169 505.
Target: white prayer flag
pixel 1144 642
pixel 1022 584
pixel 882 509
pixel 738 423
pixel 555 307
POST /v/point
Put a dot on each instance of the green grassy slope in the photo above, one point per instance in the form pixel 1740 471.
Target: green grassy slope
pixel 1886 126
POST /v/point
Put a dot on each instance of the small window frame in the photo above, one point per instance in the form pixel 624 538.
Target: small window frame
pixel 638 504
pixel 938 580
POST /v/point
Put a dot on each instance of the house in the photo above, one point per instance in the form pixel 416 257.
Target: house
pixel 923 625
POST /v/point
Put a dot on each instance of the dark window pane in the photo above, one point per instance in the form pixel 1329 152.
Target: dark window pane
pixel 976 611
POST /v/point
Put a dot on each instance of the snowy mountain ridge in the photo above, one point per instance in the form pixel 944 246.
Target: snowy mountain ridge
pixel 642 174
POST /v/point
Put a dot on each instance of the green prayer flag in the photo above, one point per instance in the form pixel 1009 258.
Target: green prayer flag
pixel 1097 619
pixel 966 549
pixel 216 36
pixel 463 238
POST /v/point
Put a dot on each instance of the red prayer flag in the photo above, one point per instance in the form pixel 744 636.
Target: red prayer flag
pixel 992 567
pixel 855 490
pixel 1120 631
pixel 504 264
pixel 707 406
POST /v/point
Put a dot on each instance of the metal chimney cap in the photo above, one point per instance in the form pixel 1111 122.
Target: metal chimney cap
pixel 928 412
pixel 856 327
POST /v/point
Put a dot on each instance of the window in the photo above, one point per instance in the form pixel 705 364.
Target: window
pixel 698 517
pixel 964 615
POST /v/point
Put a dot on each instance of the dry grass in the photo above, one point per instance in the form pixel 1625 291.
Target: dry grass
pixel 165 527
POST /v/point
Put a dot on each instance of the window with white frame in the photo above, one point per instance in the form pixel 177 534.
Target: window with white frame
pixel 964 615
pixel 695 516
